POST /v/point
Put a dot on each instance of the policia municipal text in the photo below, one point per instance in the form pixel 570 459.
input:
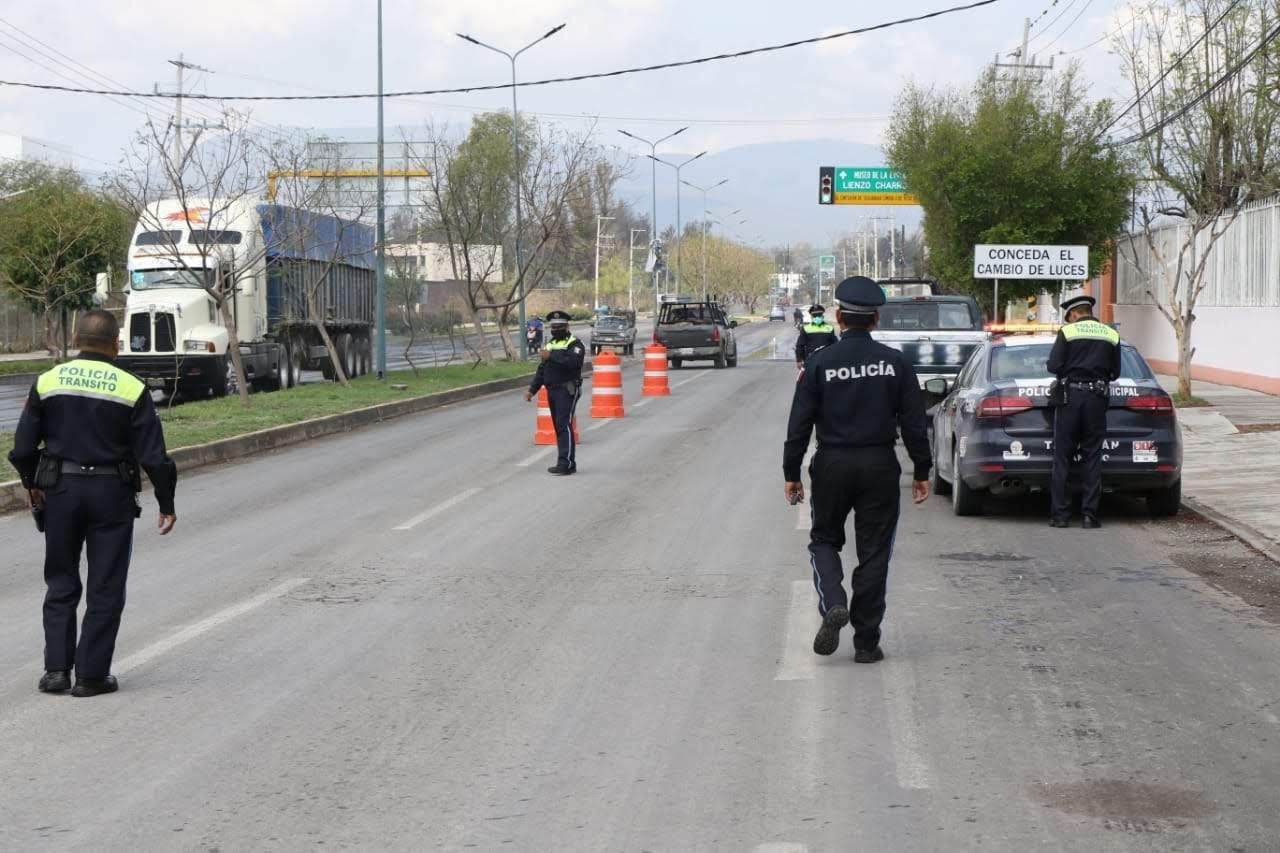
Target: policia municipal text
pixel 87 428
pixel 859 394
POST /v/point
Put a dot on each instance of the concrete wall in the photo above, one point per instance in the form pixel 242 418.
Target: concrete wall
pixel 1234 346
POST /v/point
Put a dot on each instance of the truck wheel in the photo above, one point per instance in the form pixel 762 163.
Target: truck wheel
pixel 1164 503
pixel 733 360
pixel 342 343
pixel 296 362
pixel 280 375
pixel 225 380
pixel 720 360
pixel 675 363
pixel 365 347
pixel 964 500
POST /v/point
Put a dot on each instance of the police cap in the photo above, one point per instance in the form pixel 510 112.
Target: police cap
pixel 558 318
pixel 817 309
pixel 1080 300
pixel 859 295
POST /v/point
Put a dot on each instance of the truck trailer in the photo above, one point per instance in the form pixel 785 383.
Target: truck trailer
pixel 276 258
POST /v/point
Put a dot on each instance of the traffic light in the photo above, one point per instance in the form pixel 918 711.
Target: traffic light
pixel 826 185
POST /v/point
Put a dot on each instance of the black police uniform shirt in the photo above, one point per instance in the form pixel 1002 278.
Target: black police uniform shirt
pixel 563 365
pixel 857 393
pixel 92 412
pixel 1086 351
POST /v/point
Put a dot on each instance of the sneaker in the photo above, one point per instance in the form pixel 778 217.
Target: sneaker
pixel 827 639
pixel 55 681
pixel 95 686
pixel 1091 523
pixel 868 655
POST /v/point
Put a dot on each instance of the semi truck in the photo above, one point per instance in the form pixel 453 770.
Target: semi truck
pixel 275 260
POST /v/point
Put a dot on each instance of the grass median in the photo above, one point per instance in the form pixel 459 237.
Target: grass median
pixel 210 420
pixel 27 365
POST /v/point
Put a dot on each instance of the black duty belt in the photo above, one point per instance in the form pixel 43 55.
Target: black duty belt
pixel 1090 385
pixel 111 469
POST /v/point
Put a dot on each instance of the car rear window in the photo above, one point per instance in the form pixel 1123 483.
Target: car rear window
pixel 928 317
pixel 611 323
pixel 1028 362
pixel 699 315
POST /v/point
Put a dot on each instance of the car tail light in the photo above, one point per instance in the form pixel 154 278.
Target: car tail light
pixel 715 334
pixel 1156 404
pixel 998 406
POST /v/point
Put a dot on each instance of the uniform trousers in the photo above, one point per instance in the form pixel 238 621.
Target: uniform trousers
pixel 94 514
pixel 1080 423
pixel 563 400
pixel 863 481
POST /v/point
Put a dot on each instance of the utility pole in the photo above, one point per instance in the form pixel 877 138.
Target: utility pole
pixel 631 254
pixel 599 219
pixel 893 250
pixel 380 275
pixel 1025 64
pixel 179 150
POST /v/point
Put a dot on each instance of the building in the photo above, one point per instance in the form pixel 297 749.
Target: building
pixel 432 266
pixel 787 284
pixel 14 146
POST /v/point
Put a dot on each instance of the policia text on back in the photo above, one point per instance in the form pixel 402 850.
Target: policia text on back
pixel 87 432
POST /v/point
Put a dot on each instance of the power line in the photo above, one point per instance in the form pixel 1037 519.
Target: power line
pixel 1176 62
pixel 1045 29
pixel 1068 27
pixel 1196 101
pixel 1104 36
pixel 977 4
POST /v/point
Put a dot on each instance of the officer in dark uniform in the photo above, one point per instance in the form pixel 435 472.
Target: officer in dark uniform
pixel 1086 360
pixel 561 373
pixel 859 394
pixel 814 335
pixel 97 425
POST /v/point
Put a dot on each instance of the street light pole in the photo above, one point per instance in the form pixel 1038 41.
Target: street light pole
pixel 705 213
pixel 631 268
pixel 679 234
pixel 515 147
pixel 653 198
pixel 599 219
pixel 380 279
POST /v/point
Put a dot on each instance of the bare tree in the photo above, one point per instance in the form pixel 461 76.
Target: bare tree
pixel 1204 119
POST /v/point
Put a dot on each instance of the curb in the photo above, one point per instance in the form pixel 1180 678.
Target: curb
pixel 18 378
pixel 1252 537
pixel 13 497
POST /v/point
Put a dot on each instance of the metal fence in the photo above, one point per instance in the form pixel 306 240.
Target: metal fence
pixel 21 330
pixel 1243 268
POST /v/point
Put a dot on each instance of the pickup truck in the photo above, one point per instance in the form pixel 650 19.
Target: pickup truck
pixel 696 331
pixel 937 333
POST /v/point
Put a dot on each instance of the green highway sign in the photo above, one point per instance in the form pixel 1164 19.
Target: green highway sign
pixel 862 185
pixel 827 262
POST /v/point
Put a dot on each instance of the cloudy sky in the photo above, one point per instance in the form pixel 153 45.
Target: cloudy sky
pixel 841 90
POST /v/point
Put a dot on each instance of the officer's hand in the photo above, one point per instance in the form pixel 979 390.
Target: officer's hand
pixel 528 396
pixel 36 496
pixel 166 523
pixel 920 491
pixel 794 493
pixel 545 354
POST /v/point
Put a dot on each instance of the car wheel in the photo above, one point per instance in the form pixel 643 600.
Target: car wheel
pixel 940 486
pixel 1164 503
pixel 964 500
pixel 675 363
pixel 720 361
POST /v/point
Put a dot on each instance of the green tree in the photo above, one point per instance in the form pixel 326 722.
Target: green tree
pixel 56 234
pixel 1008 162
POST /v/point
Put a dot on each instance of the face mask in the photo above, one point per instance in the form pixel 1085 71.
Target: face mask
pixel 559 333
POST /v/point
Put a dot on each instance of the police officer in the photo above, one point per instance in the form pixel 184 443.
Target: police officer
pixel 858 393
pixel 1086 360
pixel 86 428
pixel 814 335
pixel 561 373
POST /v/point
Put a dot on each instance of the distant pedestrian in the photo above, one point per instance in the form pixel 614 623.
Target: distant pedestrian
pixel 1085 359
pixel 797 317
pixel 858 393
pixel 87 427
pixel 814 335
pixel 561 373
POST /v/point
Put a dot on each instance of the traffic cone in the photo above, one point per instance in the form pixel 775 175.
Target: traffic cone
pixel 655 372
pixel 606 386
pixel 545 430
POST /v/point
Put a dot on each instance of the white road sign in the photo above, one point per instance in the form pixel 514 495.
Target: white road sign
pixel 1047 263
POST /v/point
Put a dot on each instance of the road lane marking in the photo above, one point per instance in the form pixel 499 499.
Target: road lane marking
pixel 798 660
pixel 437 509
pixel 690 379
pixel 642 403
pixel 195 629
pixel 600 424
pixel 782 847
pixel 541 454
pixel 898 680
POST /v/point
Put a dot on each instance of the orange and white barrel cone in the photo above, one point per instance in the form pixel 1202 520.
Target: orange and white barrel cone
pixel 545 431
pixel 606 386
pixel 655 372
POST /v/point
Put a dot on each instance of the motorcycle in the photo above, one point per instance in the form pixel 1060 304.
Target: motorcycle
pixel 533 337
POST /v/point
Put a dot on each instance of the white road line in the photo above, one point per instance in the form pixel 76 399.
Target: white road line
pixel 899 683
pixel 798 661
pixel 541 454
pixel 782 847
pixel 599 424
pixel 437 509
pixel 690 379
pixel 643 402
pixel 190 632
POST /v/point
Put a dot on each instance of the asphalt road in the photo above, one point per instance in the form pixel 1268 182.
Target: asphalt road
pixel 377 641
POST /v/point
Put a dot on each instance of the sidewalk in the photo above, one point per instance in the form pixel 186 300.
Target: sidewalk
pixel 1230 475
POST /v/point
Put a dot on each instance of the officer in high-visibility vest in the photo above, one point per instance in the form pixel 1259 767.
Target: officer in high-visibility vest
pixel 1085 359
pixel 857 394
pixel 87 428
pixel 561 373
pixel 814 335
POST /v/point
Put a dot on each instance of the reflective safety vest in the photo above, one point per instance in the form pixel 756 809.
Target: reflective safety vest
pixel 819 329
pixel 87 378
pixel 564 344
pixel 1090 330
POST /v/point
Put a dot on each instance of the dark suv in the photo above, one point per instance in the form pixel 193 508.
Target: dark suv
pixel 696 331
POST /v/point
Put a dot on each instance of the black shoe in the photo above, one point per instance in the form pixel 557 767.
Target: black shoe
pixel 1059 522
pixel 868 655
pixel 827 639
pixel 1091 523
pixel 95 686
pixel 558 471
pixel 55 681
